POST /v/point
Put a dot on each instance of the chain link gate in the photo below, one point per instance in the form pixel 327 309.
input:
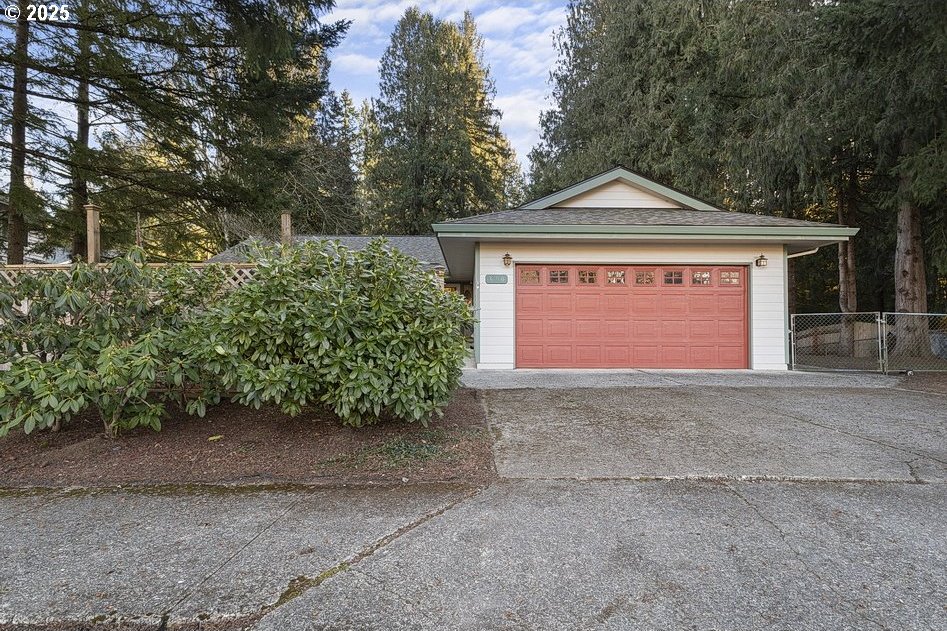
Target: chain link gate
pixel 868 341
pixel 836 341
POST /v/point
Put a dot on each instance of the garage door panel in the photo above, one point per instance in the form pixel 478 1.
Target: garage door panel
pixel 588 355
pixel 702 329
pixel 645 304
pixel 673 329
pixel 616 329
pixel 701 304
pixel 617 356
pixel 596 324
pixel 529 328
pixel 731 330
pixel 529 355
pixel 646 355
pixel 731 356
pixel 559 355
pixel 616 304
pixel 530 303
pixel 646 330
pixel 673 304
pixel 558 303
pixel 590 304
pixel 673 356
pixel 732 304
pixel 559 328
pixel 587 329
pixel 702 356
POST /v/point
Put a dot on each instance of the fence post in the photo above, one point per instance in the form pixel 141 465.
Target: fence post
pixel 286 229
pixel 882 343
pixel 93 233
pixel 792 341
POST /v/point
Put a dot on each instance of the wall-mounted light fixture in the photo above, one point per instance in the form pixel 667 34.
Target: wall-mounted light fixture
pixel 507 260
pixel 761 261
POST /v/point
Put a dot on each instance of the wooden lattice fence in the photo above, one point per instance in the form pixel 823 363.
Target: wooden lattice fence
pixel 239 273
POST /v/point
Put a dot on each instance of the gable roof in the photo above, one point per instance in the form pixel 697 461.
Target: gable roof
pixel 424 248
pixel 576 217
pixel 627 176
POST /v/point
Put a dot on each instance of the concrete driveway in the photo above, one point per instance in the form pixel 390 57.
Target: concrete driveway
pixel 781 426
pixel 625 501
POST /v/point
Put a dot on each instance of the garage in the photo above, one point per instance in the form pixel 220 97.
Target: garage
pixel 621 271
pixel 642 316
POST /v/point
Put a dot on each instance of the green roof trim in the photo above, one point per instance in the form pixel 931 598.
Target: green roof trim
pixel 622 174
pixel 449 229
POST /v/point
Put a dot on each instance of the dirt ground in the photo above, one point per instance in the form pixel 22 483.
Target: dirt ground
pixel 238 445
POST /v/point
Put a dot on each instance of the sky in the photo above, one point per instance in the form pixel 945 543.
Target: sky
pixel 518 47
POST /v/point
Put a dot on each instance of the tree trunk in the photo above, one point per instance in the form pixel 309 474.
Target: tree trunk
pixel 80 187
pixel 910 281
pixel 847 285
pixel 19 194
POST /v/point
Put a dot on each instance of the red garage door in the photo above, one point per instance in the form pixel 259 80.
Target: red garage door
pixel 615 316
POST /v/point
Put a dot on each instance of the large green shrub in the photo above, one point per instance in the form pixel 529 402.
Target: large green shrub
pixel 98 337
pixel 365 333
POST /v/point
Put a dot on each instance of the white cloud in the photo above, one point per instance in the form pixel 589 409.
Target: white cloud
pixel 520 120
pixel 355 63
pixel 507 20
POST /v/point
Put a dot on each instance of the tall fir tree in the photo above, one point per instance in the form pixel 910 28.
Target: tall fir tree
pixel 178 116
pixel 437 151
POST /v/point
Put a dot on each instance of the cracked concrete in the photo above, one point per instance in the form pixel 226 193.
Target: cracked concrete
pixel 675 500
pixel 135 555
pixel 539 554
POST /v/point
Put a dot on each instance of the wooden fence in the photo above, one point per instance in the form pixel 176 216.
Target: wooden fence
pixel 239 273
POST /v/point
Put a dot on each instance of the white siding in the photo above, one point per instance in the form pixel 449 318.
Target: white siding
pixel 767 290
pixel 617 194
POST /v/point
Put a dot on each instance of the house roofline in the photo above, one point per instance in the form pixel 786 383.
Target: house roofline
pixel 632 177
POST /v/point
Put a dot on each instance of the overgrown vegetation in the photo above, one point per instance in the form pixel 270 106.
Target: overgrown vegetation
pixel 366 334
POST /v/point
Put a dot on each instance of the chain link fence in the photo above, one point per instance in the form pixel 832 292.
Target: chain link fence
pixel 915 341
pixel 869 341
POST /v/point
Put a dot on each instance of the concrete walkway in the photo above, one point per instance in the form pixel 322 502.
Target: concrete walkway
pixel 694 505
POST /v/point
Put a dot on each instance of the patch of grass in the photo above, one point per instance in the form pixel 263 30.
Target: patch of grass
pixel 406 449
pixel 402 450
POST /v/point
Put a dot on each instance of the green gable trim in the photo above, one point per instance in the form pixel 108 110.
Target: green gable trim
pixel 627 176
pixel 447 229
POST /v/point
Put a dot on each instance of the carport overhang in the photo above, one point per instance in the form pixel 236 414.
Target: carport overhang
pixel 458 241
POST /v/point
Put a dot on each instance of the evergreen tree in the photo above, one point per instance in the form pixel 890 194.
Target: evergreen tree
pixel 210 91
pixel 785 107
pixel 439 152
pixel 321 191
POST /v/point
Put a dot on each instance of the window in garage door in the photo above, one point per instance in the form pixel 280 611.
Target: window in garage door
pixel 612 316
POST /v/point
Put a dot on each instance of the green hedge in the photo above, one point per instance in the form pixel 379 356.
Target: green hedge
pixel 366 333
pixel 98 337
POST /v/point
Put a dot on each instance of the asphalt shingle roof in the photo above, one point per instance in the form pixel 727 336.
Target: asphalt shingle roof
pixel 631 217
pixel 423 248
